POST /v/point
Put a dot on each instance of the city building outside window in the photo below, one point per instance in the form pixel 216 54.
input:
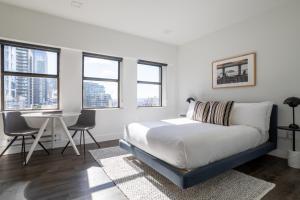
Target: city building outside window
pixel 149 84
pixel 30 76
pixel 101 81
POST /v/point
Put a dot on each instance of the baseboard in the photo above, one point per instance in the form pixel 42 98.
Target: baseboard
pixel 281 153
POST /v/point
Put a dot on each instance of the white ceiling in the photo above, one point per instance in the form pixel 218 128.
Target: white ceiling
pixel 170 21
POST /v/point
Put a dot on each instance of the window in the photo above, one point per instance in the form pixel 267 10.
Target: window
pixel 30 76
pixel 149 84
pixel 101 81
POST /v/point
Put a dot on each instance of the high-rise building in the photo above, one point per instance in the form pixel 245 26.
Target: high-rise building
pixel 39 86
pixel 150 101
pixel 95 96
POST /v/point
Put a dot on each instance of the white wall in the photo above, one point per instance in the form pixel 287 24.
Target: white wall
pixel 274 36
pixel 74 37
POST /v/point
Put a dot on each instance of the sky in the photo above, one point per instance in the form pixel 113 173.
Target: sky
pixel 52 62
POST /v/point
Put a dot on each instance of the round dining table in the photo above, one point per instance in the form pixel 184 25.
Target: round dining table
pixel 47 116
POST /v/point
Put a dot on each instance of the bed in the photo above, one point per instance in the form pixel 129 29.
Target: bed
pixel 193 157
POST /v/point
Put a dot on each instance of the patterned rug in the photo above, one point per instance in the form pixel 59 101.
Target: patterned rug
pixel 139 182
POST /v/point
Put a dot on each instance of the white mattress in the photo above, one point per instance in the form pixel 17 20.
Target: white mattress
pixel 189 144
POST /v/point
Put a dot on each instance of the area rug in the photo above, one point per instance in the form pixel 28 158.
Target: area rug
pixel 137 181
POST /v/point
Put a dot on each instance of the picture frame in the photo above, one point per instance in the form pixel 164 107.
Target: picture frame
pixel 237 71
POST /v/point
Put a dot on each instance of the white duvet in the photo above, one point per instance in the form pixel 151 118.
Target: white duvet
pixel 189 144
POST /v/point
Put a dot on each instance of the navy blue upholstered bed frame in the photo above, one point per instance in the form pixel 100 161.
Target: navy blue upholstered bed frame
pixel 186 179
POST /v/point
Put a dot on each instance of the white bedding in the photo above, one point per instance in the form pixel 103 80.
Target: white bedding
pixel 189 144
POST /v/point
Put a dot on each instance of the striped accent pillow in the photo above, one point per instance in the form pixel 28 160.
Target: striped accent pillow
pixel 201 111
pixel 219 112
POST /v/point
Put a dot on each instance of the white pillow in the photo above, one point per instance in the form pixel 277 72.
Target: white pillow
pixel 252 114
pixel 190 111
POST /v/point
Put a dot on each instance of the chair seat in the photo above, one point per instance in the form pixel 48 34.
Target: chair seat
pixel 24 132
pixel 80 127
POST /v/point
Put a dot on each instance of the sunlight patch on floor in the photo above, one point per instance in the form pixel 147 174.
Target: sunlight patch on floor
pixel 15 191
pixel 95 177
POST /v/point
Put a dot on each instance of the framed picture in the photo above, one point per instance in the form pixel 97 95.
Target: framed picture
pixel 239 71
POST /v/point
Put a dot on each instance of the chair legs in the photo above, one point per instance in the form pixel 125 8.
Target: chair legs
pixel 83 144
pixel 80 138
pixel 93 138
pixel 23 147
pixel 62 152
pixel 11 142
pixel 82 141
pixel 23 152
pixel 41 145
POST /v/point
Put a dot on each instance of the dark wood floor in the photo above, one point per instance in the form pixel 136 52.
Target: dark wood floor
pixel 71 177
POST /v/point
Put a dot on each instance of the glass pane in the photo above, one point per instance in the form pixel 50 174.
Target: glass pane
pixel 17 59
pixel 100 94
pixel 101 68
pixel 148 95
pixel 148 73
pixel 29 93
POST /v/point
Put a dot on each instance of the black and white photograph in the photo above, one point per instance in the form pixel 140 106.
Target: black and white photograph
pixel 234 72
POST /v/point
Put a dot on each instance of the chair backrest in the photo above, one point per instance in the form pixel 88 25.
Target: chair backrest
pixel 13 122
pixel 87 118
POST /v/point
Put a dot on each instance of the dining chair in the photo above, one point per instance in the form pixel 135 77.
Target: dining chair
pixel 15 126
pixel 85 122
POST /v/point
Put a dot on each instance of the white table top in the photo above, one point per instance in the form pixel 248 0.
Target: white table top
pixel 50 115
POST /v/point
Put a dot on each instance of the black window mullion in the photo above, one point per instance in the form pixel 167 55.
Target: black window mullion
pixel 2 77
pixel 145 62
pixel 160 91
pixel 92 55
pixel 100 79
pixel 119 91
pixel 149 82
pixel 28 46
pixel 29 74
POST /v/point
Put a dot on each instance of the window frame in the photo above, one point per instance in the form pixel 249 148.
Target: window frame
pixel 100 56
pixel 160 83
pixel 29 75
